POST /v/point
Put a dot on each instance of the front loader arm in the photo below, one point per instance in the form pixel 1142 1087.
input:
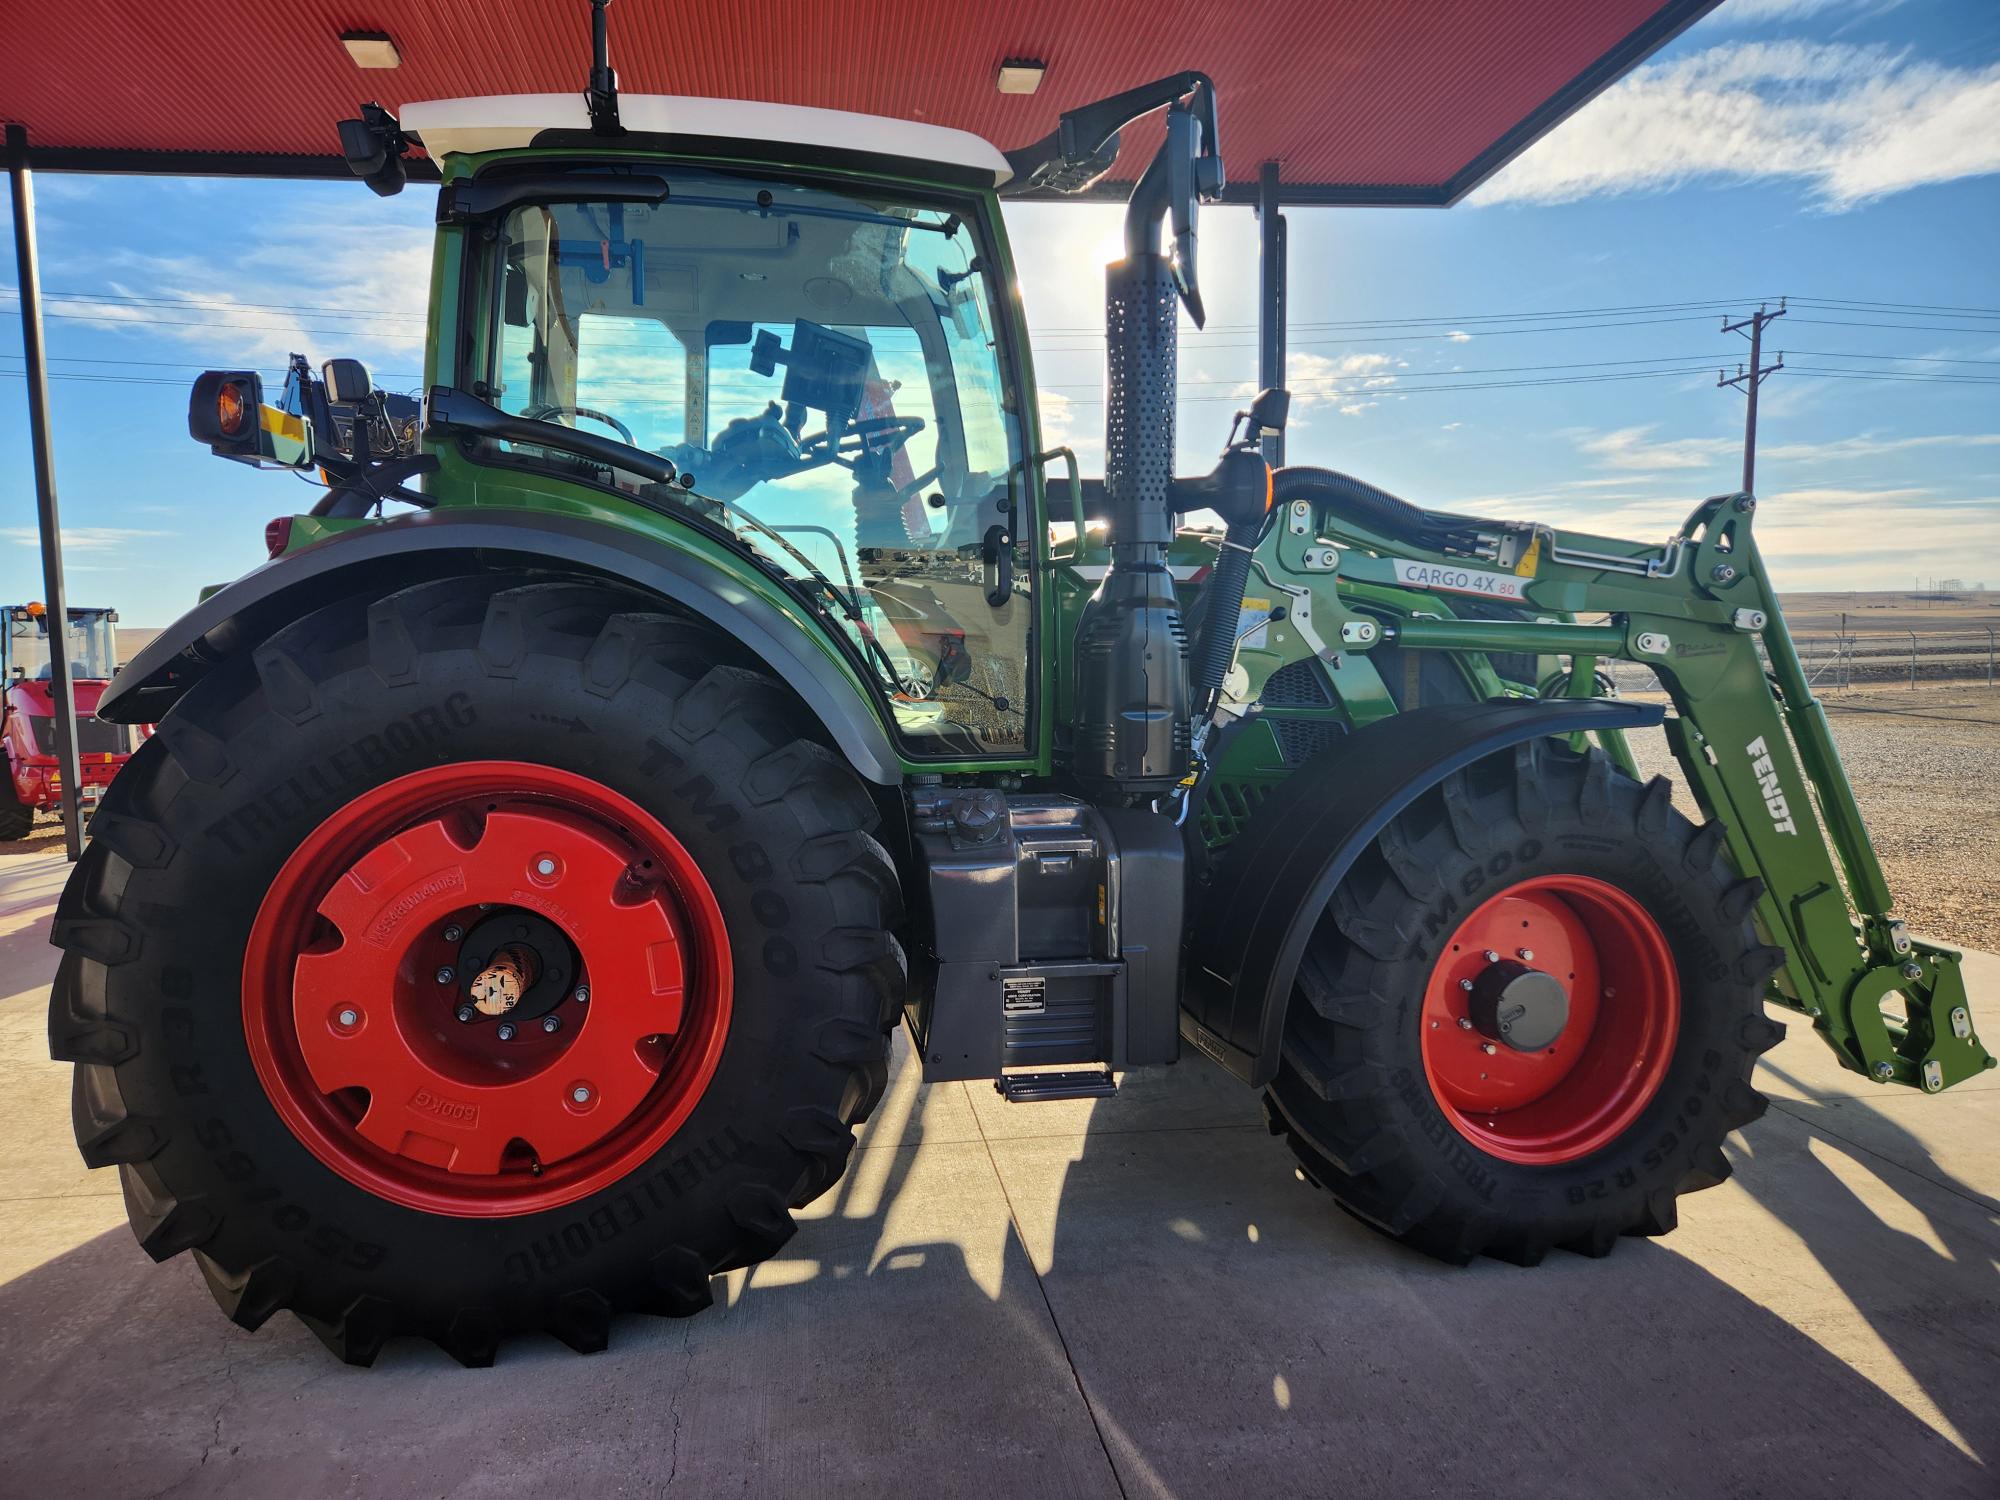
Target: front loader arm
pixel 1758 754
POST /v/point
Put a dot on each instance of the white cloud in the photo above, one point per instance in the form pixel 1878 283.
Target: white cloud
pixel 276 295
pixel 1851 123
pixel 1319 380
pixel 1870 445
pixel 1067 423
pixel 1459 336
pixel 1763 12
pixel 1630 448
pixel 98 539
pixel 1453 426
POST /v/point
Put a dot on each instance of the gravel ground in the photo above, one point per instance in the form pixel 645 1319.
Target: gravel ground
pixel 1923 763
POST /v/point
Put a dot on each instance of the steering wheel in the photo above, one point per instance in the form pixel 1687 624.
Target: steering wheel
pixel 870 437
pixel 543 413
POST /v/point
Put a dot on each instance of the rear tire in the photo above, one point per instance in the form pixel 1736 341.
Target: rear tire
pixel 261 758
pixel 1372 1094
pixel 17 820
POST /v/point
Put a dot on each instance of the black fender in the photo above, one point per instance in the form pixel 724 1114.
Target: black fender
pixel 409 548
pixel 1276 877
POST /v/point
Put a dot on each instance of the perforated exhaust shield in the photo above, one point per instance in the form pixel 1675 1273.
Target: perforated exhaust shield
pixel 1132 721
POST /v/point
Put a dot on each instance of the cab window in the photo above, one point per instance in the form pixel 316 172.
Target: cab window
pixel 824 368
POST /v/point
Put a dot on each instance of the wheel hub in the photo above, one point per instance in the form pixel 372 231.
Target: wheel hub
pixel 1521 1007
pixel 516 963
pixel 1550 1018
pixel 486 988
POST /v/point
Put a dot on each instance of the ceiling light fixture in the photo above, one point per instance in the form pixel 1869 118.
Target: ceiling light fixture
pixel 371 49
pixel 1021 75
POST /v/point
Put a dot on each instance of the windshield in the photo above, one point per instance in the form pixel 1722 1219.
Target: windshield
pixel 823 368
pixel 93 644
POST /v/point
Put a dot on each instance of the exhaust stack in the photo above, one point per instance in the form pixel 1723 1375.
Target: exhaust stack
pixel 1133 724
pixel 1132 716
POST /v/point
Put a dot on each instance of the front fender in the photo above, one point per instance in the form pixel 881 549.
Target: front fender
pixel 407 548
pixel 1278 874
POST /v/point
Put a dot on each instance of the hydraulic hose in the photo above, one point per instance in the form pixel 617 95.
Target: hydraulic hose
pixel 1368 507
pixel 1221 608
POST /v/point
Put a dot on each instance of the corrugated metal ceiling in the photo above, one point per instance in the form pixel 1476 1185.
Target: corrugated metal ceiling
pixel 1357 100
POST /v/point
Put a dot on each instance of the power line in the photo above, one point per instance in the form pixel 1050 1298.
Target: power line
pixel 1924 359
pixel 1884 375
pixel 1364 377
pixel 1914 327
pixel 1399 387
pixel 120 299
pixel 1929 307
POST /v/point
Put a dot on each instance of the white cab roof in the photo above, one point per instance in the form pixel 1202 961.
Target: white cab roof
pixel 507 121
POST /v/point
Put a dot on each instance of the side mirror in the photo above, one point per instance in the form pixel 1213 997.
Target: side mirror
pixel 226 411
pixel 373 147
pixel 222 411
pixel 514 286
pixel 347 381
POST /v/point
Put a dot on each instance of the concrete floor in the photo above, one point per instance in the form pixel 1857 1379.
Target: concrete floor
pixel 1133 1297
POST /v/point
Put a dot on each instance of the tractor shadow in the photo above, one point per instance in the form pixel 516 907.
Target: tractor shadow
pixel 1129 1298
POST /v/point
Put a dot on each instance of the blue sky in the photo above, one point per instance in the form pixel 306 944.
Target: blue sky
pixel 1836 151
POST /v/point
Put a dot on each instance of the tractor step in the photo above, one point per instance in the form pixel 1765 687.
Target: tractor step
pixel 1034 1088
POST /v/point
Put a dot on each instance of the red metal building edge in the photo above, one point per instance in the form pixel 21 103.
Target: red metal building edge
pixel 1358 101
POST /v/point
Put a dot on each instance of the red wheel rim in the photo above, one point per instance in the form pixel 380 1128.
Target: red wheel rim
pixel 354 1032
pixel 1576 1096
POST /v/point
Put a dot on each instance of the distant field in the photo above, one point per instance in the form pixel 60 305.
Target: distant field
pixel 1872 613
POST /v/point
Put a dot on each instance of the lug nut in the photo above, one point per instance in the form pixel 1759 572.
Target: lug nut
pixel 1527 955
pixel 552 1023
pixel 349 1018
pixel 505 1031
pixel 545 867
pixel 1488 1048
pixel 580 1094
pixel 1465 984
pixel 583 994
pixel 1491 958
pixel 1913 970
pixel 453 933
pixel 466 1013
pixel 1465 1023
pixel 445 975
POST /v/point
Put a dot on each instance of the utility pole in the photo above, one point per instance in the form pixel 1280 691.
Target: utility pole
pixel 1748 380
pixel 28 273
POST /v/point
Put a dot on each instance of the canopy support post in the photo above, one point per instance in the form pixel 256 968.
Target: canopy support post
pixel 27 268
pixel 1270 298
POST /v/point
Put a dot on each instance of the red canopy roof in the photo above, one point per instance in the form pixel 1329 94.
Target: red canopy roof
pixel 1358 101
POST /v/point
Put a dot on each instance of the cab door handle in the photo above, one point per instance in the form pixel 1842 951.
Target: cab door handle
pixel 998 554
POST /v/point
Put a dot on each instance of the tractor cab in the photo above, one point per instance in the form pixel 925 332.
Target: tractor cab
pixel 27 711
pixel 92 641
pixel 823 367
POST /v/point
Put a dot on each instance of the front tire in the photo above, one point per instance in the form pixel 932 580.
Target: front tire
pixel 1466 1097
pixel 272 1042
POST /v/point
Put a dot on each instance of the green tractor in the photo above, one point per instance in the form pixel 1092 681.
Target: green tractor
pixel 505 927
